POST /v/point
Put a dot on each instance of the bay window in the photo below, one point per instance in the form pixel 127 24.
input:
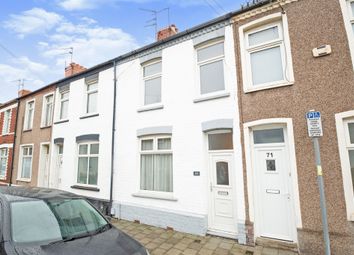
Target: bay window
pixel 156 171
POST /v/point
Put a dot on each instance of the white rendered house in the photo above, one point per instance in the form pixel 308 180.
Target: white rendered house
pixel 178 160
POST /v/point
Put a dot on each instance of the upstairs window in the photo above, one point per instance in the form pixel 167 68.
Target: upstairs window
pixel 265 53
pixel 350 148
pixel 156 172
pixel 3 162
pixel 28 124
pixel 7 122
pixel 152 82
pixel 210 60
pixel 91 93
pixel 64 105
pixel 47 114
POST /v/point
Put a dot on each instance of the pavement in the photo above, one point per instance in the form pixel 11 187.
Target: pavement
pixel 161 241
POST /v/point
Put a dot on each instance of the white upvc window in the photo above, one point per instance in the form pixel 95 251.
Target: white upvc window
pixel 47 110
pixel 156 166
pixel 265 53
pixel 7 122
pixel 87 173
pixel 3 162
pixel 91 97
pixel 210 61
pixel 29 112
pixel 26 157
pixel 345 133
pixel 152 77
pixel 64 105
pixel 347 7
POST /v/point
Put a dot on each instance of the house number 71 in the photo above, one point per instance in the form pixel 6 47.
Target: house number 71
pixel 269 154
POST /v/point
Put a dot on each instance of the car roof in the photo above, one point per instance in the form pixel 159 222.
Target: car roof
pixel 29 193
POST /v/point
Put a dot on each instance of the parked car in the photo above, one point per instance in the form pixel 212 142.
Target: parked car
pixel 45 221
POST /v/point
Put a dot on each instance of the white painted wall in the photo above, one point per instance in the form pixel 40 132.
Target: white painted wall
pixel 101 125
pixel 179 86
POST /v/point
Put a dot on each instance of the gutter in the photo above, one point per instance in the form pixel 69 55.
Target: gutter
pixel 113 136
pixel 14 143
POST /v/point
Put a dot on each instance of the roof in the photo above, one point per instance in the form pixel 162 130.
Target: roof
pixel 20 193
pixel 105 65
pixel 8 103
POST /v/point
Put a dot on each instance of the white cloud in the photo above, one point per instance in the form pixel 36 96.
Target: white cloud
pixel 72 5
pixel 34 21
pixel 92 43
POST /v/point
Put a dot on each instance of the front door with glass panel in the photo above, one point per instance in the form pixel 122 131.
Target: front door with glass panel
pixel 273 203
pixel 222 218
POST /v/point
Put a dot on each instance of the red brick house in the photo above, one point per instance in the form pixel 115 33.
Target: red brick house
pixel 8 113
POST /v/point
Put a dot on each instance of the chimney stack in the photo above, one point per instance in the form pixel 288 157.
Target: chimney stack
pixel 23 92
pixel 73 68
pixel 167 32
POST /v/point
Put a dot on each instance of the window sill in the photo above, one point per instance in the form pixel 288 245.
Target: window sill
pixel 24 180
pixel 249 90
pixel 211 97
pixel 89 116
pixel 155 195
pixel 61 121
pixel 85 188
pixel 27 130
pixel 150 108
pixel 46 127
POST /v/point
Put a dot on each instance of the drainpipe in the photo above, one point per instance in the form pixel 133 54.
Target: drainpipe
pixel 113 136
pixel 14 143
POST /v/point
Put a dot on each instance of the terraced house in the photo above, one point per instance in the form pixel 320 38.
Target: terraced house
pixel 293 58
pixel 8 113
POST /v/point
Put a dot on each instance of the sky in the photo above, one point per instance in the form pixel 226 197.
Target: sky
pixel 36 35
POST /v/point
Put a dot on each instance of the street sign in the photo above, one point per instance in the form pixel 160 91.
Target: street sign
pixel 314 124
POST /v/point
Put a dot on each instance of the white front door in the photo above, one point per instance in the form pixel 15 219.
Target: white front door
pixel 222 220
pixel 44 166
pixel 273 200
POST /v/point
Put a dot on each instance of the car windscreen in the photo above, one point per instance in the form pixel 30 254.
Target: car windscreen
pixel 45 221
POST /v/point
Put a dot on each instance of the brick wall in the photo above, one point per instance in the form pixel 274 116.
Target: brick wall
pixel 8 139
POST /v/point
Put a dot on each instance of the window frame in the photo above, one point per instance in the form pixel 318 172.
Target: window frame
pixel 7 120
pixel 44 121
pixel 199 64
pixel 6 157
pixel 60 104
pixel 19 169
pixel 342 120
pixel 87 95
pixel 25 122
pixel 155 151
pixel 151 77
pixel 88 155
pixel 276 19
pixel 348 17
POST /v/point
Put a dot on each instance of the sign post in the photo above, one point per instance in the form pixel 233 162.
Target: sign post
pixel 314 126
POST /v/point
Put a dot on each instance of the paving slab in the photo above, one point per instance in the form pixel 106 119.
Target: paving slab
pixel 161 241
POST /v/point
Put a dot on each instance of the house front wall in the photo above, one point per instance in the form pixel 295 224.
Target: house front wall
pixel 7 138
pixel 33 137
pixel 79 124
pixel 324 84
pixel 182 115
